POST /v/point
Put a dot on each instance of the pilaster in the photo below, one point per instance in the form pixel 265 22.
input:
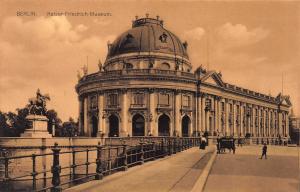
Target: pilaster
pixel 177 107
pixel 124 130
pixel 85 116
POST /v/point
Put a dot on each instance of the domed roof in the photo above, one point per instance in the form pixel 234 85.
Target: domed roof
pixel 147 35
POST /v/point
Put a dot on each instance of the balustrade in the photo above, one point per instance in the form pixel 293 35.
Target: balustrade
pixel 107 160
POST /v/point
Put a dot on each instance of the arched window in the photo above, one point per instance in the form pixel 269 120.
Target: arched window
pixel 164 125
pixel 165 66
pixel 113 126
pixel 138 125
pixel 185 126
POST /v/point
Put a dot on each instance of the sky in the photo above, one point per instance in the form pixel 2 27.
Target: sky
pixel 255 44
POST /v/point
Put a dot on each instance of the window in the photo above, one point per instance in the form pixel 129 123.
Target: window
pixel 165 66
pixel 93 102
pixel 208 104
pixel 138 99
pixel 186 101
pixel 230 108
pixel 164 99
pixel 113 99
pixel 223 106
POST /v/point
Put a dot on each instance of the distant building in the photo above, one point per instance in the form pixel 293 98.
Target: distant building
pixel 147 87
pixel 294 128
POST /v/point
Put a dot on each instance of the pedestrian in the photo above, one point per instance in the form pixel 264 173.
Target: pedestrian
pixel 264 151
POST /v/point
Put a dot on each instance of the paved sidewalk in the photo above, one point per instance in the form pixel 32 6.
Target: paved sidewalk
pixel 178 172
pixel 245 172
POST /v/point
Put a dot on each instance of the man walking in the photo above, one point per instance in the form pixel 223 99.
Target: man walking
pixel 264 151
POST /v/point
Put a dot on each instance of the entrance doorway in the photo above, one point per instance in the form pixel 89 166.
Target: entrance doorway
pixel 185 125
pixel 164 125
pixel 94 126
pixel 113 126
pixel 138 125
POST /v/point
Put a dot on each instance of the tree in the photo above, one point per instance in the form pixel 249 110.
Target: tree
pixel 53 118
pixel 5 129
pixel 18 121
pixel 69 128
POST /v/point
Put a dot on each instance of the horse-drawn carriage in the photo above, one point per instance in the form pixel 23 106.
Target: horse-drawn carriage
pixel 226 143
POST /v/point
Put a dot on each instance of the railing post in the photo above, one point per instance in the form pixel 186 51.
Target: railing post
pixel 87 163
pixel 34 173
pixel 56 169
pixel 125 157
pixel 174 145
pixel 142 153
pixel 153 150
pixel 73 163
pixel 99 174
pixel 169 146
pixel 109 159
pixel 162 148
pixel 6 176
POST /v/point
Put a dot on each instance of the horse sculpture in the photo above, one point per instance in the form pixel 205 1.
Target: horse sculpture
pixel 37 105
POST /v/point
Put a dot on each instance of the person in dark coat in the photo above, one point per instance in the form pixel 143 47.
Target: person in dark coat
pixel 264 151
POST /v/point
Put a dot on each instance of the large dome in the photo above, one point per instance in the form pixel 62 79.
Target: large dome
pixel 147 35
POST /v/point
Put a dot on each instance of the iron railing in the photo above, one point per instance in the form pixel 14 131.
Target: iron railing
pixel 108 159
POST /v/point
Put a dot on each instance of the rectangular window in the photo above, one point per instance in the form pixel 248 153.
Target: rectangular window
pixel 230 108
pixel 164 99
pixel 186 101
pixel 223 106
pixel 208 104
pixel 93 102
pixel 138 99
pixel 113 99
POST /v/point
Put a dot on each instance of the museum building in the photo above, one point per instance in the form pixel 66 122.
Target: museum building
pixel 147 87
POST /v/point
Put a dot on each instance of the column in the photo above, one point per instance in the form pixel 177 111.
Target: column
pixel 85 117
pixel 248 118
pixel 80 120
pixel 242 120
pixel 216 127
pixel 153 129
pixel 273 123
pixel 287 125
pixel 203 113
pixel 219 116
pixel 227 131
pixel 124 131
pixel 276 122
pixel 100 114
pixel 199 112
pixel 177 113
pixel 234 118
pixel 280 123
pixel 259 127
pixel 253 121
pixel 269 123
pixel 263 122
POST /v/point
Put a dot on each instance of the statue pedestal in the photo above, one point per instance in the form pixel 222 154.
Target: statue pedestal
pixel 38 127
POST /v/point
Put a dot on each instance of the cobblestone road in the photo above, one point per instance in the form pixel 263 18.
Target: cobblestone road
pixel 244 171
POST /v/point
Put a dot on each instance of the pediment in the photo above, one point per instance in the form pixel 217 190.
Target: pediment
pixel 284 102
pixel 212 81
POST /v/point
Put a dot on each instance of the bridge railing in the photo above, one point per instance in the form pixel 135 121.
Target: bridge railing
pixel 94 163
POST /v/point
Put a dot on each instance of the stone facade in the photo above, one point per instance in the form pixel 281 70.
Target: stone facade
pixel 146 87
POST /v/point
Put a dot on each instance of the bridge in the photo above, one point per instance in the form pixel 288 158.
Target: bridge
pixel 77 165
pixel 153 164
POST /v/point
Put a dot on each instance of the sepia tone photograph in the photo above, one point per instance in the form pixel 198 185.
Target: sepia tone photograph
pixel 149 96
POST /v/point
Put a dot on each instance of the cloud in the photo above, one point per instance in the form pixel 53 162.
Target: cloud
pixel 238 35
pixel 81 28
pixel 196 33
pixel 102 22
pixel 45 53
